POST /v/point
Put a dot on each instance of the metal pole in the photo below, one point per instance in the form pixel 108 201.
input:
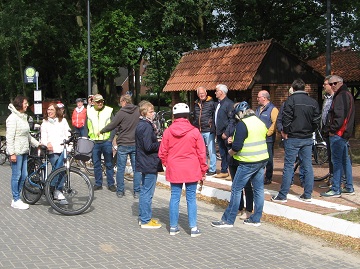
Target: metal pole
pixel 328 38
pixel 88 43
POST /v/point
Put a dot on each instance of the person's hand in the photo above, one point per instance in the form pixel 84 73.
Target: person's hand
pixel 223 136
pixel 285 136
pixel 13 158
pixel 50 147
pixel 230 140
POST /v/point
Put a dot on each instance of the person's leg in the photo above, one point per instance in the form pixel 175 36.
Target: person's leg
pixel 305 155
pixel 174 204
pixel 209 139
pixel 15 177
pixel 249 196
pixel 24 172
pixel 137 175
pixel 337 152
pixel 108 158
pixel 224 154
pixel 191 203
pixel 270 163
pixel 242 176
pixel 258 189
pixel 122 153
pixel 291 151
pixel 348 169
pixel 96 157
pixel 146 195
pixel 232 171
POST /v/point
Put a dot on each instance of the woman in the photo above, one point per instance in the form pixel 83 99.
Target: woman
pixel 18 139
pixel 183 152
pixel 78 118
pixel 147 163
pixel 54 130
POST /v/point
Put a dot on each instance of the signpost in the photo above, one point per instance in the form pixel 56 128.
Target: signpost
pixel 32 76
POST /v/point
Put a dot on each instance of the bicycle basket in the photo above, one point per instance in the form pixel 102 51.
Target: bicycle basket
pixel 84 148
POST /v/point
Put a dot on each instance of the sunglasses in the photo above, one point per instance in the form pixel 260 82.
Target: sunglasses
pixel 99 102
pixel 334 83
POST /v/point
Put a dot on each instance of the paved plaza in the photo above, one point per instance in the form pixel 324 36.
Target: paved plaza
pixel 108 236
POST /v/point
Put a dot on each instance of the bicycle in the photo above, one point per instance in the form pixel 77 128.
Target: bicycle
pixel 3 154
pixel 71 181
pixel 162 121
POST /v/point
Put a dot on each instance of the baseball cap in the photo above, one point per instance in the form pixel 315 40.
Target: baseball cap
pixel 60 105
pixel 97 97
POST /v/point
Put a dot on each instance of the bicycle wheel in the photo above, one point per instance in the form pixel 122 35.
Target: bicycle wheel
pixel 3 158
pixel 320 154
pixel 76 188
pixel 32 190
pixel 88 166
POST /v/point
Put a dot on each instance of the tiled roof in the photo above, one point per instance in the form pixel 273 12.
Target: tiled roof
pixel 345 64
pixel 234 66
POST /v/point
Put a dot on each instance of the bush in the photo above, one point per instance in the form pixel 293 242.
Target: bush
pixel 165 99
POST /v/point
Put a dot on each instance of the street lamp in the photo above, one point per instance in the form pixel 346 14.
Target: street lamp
pixel 88 43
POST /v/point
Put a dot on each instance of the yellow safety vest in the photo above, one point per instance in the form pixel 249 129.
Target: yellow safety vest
pixel 97 120
pixel 254 148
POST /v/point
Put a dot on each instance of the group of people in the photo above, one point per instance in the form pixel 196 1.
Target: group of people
pixel 245 137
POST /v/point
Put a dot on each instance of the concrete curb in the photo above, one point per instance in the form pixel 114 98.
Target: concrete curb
pixel 323 222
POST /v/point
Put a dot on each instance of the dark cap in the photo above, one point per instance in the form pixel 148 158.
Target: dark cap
pixel 79 100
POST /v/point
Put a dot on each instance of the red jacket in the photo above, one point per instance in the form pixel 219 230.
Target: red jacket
pixel 78 118
pixel 183 152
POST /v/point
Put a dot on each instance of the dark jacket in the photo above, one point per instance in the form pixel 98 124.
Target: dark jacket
pixel 341 117
pixel 204 115
pixel 301 116
pixel 147 147
pixel 265 117
pixel 223 115
pixel 126 120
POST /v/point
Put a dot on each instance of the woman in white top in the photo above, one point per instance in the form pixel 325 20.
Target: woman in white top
pixel 54 130
pixel 18 139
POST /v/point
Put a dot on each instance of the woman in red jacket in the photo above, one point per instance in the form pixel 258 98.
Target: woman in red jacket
pixel 183 153
pixel 78 118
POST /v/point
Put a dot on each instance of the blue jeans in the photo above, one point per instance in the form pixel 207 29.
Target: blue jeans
pixel 82 131
pixel 57 161
pixel 341 162
pixel 18 175
pixel 270 163
pixel 147 189
pixel 249 195
pixel 245 172
pixel 301 147
pixel 209 139
pixel 223 153
pixel 104 148
pixel 122 155
pixel 176 189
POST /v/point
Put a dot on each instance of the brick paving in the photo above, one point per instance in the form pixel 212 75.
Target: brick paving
pixel 107 236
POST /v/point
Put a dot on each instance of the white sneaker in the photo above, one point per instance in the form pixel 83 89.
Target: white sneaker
pixel 12 202
pixel 58 195
pixel 19 205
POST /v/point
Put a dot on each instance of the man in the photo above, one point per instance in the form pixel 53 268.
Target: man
pixel 125 120
pixel 300 119
pixel 203 120
pixel 98 116
pixel 250 150
pixel 267 113
pixel 328 97
pixel 222 117
pixel 340 126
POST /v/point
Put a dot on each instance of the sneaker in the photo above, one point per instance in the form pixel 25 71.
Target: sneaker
pixel 245 215
pixel 221 224
pixel 58 195
pixel 195 233
pixel 221 175
pixel 19 205
pixel 304 198
pixel 267 181
pixel 136 195
pixel 330 193
pixel 325 186
pixel 347 191
pixel 278 199
pixel 120 194
pixel 174 230
pixel 250 222
pixel 154 220
pixel 112 188
pixel 151 225
pixel 210 173
pixel 96 188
